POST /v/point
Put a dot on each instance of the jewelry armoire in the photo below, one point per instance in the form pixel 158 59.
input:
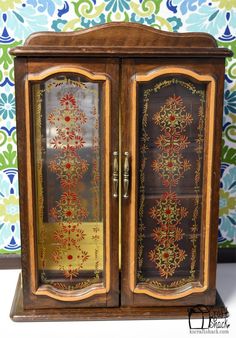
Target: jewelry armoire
pixel 119 143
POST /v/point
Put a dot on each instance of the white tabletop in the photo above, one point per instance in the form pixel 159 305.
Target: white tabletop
pixel 226 285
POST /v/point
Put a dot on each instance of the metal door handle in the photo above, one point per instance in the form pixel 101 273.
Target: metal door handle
pixel 126 175
pixel 115 174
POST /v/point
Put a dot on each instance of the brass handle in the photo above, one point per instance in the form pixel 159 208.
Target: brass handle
pixel 115 174
pixel 126 175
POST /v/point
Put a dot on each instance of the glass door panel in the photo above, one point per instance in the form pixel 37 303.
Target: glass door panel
pixel 68 127
pixel 170 166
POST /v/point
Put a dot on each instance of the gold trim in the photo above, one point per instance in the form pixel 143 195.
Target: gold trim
pixel 192 287
pixel 70 296
pixel 93 289
pixel 60 69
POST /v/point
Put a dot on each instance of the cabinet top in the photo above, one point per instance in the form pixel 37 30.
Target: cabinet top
pixel 120 39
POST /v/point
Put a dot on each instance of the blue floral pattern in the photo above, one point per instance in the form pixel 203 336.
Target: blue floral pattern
pixel 185 6
pixel 7 106
pixel 117 5
pixel 228 204
pixel 9 211
pixel 230 102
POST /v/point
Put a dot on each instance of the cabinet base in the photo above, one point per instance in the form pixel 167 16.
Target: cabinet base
pixel 19 314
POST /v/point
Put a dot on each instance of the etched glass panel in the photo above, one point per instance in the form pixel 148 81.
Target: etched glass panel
pixel 67 111
pixel 171 112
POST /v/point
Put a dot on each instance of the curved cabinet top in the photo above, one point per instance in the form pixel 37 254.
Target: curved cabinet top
pixel 121 39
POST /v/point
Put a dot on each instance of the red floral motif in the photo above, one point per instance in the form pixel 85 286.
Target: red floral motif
pixel 56 256
pixel 82 118
pixel 69 168
pixel 172 116
pixel 167 257
pixel 68 99
pixel 174 142
pixel 168 210
pixel 71 143
pixel 170 166
pixel 70 273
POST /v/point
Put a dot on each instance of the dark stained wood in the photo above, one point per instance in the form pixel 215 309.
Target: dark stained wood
pixel 10 261
pixel 120 34
pixel 112 69
pixel 19 314
pixel 121 39
pixel 126 138
pixel 121 51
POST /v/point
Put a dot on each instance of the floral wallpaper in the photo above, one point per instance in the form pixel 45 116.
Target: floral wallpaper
pixel 19 18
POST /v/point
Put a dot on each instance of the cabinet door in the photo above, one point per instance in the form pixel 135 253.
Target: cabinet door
pixel 70 135
pixel 169 215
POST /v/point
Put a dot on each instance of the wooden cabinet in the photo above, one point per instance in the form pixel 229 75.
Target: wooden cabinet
pixel 119 131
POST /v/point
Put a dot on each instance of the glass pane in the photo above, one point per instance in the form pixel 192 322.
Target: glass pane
pixel 67 112
pixel 171 146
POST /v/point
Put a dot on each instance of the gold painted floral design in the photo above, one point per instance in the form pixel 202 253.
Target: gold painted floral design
pixel 173 120
pixel 170 166
pixel 70 234
pixel 69 168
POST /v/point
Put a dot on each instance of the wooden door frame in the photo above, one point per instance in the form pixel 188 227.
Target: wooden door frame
pixel 37 296
pixel 139 296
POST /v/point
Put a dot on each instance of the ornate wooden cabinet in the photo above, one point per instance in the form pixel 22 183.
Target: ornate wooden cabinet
pixel 119 132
